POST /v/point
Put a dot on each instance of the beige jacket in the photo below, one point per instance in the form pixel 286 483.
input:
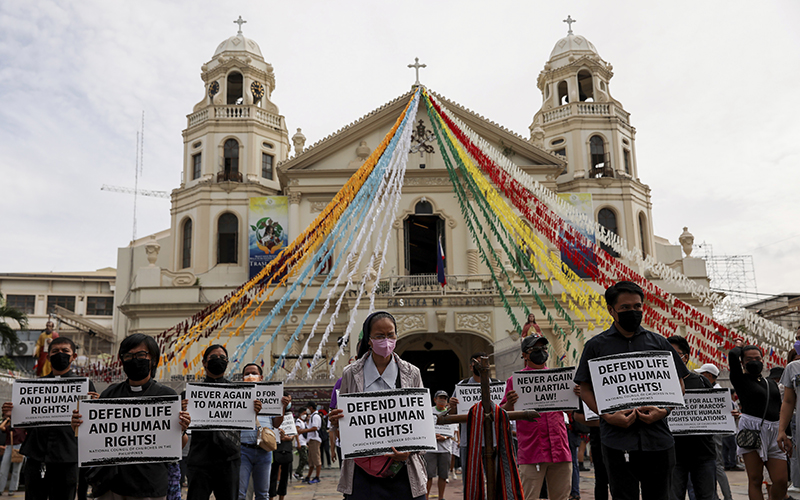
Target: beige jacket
pixel 353 381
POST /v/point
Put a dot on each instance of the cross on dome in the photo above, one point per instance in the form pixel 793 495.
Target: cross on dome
pixel 569 22
pixel 417 66
pixel 240 22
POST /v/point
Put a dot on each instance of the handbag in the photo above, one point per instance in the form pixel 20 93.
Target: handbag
pixel 16 456
pixel 750 439
pixel 266 439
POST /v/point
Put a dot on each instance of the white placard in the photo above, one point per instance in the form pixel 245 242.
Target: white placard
pixel 124 431
pixel 445 429
pixel 588 413
pixel 707 411
pixel 270 394
pixel 630 380
pixel 44 402
pixel 469 394
pixel 222 406
pixel 374 422
pixel 288 426
pixel 546 390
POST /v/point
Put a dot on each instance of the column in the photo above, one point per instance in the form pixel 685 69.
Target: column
pixel 294 215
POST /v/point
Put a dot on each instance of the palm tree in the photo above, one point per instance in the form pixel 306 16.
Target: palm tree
pixel 8 337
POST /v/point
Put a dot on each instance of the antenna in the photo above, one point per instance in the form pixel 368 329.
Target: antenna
pixel 138 170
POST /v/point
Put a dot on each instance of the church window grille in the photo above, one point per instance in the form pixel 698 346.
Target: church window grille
pixel 266 166
pixel 599 158
pixel 228 239
pixel 186 246
pixel 585 86
pixel 231 161
pixel 99 306
pixel 235 88
pixel 608 219
pixel 423 207
pixel 196 165
pixel 563 93
pixel 22 303
pixel 65 301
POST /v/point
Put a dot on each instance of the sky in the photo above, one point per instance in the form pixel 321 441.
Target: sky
pixel 708 85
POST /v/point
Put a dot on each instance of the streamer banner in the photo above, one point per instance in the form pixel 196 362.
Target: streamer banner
pixel 216 407
pixel 375 422
pixel 546 390
pixel 707 411
pixel 270 394
pixel 124 431
pixel 469 394
pixel 268 219
pixel 580 259
pixel 630 380
pixel 44 402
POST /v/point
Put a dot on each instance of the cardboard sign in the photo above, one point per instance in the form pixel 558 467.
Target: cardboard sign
pixel 126 431
pixel 288 426
pixel 707 411
pixel 588 413
pixel 546 390
pixel 222 406
pixel 446 429
pixel 374 422
pixel 630 380
pixel 270 394
pixel 469 394
pixel 44 402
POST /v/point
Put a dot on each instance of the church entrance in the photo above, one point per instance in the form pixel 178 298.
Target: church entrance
pixel 439 369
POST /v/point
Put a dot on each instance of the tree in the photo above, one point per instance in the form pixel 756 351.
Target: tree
pixel 8 337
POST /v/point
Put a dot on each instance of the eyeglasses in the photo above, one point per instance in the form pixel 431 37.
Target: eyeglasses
pixel 135 355
pixel 384 337
pixel 218 356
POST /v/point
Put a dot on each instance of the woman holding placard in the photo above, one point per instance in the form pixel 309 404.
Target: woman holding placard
pixel 380 370
pixel 761 403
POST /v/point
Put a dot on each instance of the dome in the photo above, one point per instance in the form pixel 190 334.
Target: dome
pixel 572 43
pixel 238 43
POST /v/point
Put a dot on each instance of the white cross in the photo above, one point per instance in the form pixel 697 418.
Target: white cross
pixel 417 66
pixel 240 22
pixel 569 22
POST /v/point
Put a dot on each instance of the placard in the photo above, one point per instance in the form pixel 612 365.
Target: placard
pixel 445 429
pixel 45 402
pixel 707 411
pixel 588 413
pixel 374 422
pixel 288 425
pixel 222 406
pixel 546 390
pixel 270 394
pixel 469 394
pixel 630 380
pixel 124 431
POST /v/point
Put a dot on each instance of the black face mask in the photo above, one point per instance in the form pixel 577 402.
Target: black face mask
pixel 136 369
pixel 754 367
pixel 630 320
pixel 216 366
pixel 538 357
pixel 60 361
pixel 476 371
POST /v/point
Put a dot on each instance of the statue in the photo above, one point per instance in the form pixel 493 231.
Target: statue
pixel 686 239
pixel 299 141
pixel 152 248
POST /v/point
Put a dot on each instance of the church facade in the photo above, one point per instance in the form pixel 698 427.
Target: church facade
pixel 237 146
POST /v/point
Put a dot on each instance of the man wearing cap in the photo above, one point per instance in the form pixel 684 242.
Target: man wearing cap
pixel 543 444
pixel 439 461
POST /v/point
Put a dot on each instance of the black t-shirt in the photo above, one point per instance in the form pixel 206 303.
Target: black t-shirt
pixel 56 444
pixel 752 390
pixel 141 480
pixel 209 447
pixel 695 449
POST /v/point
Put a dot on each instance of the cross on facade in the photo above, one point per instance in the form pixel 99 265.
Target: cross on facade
pixel 417 66
pixel 240 22
pixel 569 22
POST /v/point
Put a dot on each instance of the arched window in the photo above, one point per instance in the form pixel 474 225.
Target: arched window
pixel 228 239
pixel 422 232
pixel 186 247
pixel 423 207
pixel 608 219
pixel 231 163
pixel 643 233
pixel 563 93
pixel 234 88
pixel 598 158
pixel 585 88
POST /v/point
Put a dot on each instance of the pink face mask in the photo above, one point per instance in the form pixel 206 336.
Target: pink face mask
pixel 383 347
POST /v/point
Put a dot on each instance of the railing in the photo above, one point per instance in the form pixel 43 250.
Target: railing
pixel 236 113
pixel 229 176
pixel 582 109
pixel 428 283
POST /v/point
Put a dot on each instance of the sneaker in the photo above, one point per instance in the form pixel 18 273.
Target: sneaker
pixel 793 489
pixel 314 481
pixel 297 476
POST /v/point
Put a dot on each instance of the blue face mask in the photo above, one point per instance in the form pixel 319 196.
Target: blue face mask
pixel 797 347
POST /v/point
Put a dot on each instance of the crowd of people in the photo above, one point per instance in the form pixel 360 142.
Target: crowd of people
pixel 633 452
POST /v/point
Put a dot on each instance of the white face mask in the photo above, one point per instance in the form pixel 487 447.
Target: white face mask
pixel 253 377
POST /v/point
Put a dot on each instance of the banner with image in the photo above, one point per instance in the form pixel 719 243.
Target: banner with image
pixel 215 407
pixel 270 394
pixel 375 422
pixel 268 220
pixel 707 411
pixel 546 390
pixel 630 380
pixel 469 394
pixel 44 402
pixel 126 431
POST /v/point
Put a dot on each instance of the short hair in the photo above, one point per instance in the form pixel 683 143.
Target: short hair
pixel 149 342
pixel 614 291
pixel 213 347
pixel 681 343
pixel 260 371
pixel 478 355
pixel 751 348
pixel 63 340
pixel 312 405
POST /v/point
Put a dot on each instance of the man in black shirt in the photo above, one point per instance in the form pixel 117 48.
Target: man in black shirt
pixel 695 456
pixel 51 469
pixel 638 448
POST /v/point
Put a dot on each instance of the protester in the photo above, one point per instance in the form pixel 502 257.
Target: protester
pixel 794 460
pixel 215 456
pixel 302 444
pixel 638 448
pixel 438 462
pixel 761 409
pixel 695 456
pixel 139 354
pixel 281 465
pixel 376 369
pixel 711 372
pixel 314 442
pixel 14 439
pixel 51 467
pixel 544 452
pixel 325 449
pixel 530 327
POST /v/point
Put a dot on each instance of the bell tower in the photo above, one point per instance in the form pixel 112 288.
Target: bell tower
pixel 580 121
pixel 234 139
